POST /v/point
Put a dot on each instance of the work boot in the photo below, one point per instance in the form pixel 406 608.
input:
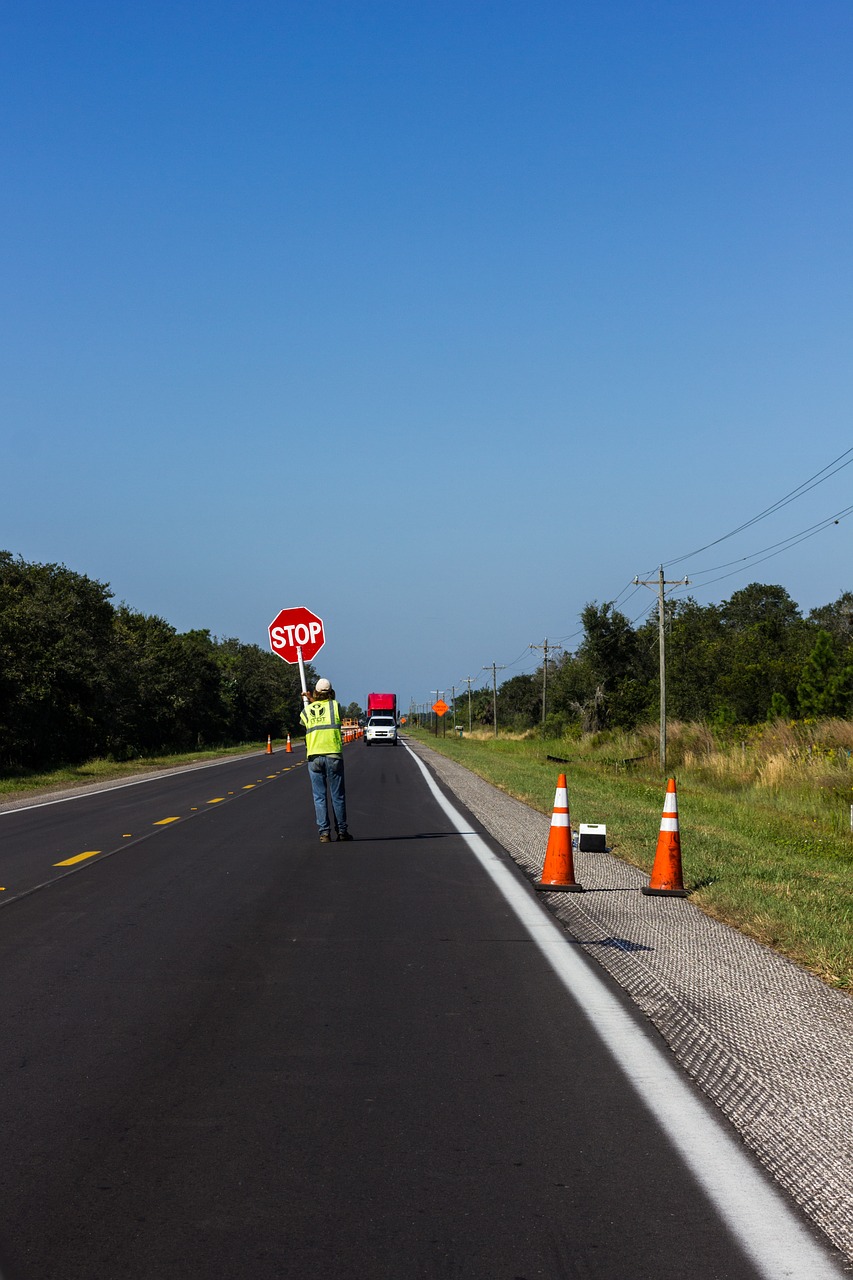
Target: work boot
pixel 344 835
pixel 325 838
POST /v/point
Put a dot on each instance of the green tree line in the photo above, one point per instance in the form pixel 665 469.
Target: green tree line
pixel 750 658
pixel 81 677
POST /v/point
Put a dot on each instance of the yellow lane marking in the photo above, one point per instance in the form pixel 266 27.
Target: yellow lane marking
pixel 164 821
pixel 249 787
pixel 80 857
pixel 127 835
pixel 218 800
pixel 271 775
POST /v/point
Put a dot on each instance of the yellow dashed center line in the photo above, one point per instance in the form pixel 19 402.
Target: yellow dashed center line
pixel 163 822
pixel 79 857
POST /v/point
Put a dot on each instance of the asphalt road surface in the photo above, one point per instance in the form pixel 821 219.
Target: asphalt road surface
pixel 231 1051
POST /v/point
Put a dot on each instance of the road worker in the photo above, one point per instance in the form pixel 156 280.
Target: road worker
pixel 321 716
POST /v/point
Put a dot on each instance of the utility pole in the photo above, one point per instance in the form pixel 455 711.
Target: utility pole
pixel 438 693
pixel 453 700
pixel 495 668
pixel 545 648
pixel 469 681
pixel 660 582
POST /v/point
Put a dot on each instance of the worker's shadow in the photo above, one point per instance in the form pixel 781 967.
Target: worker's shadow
pixel 419 835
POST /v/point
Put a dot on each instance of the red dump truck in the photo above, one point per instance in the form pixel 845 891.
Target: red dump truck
pixel 381 718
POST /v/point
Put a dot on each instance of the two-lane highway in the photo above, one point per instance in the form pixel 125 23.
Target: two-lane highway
pixel 232 1051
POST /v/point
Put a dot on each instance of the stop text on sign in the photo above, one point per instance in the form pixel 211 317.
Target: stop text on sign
pixel 297 633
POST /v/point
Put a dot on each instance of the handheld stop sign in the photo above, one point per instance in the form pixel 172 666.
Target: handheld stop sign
pixel 296 635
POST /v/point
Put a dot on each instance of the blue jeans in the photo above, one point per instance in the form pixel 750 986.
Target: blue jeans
pixel 323 769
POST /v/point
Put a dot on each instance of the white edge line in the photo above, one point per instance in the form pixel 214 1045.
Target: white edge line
pixel 776 1242
pixel 120 786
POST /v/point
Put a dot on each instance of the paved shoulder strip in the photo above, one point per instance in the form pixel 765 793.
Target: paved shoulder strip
pixel 769 1232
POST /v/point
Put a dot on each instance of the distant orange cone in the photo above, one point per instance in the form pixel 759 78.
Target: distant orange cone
pixel 269 745
pixel 288 747
pixel 558 872
pixel 666 881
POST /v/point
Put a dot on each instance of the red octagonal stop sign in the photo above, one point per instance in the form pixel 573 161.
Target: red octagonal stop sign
pixel 294 629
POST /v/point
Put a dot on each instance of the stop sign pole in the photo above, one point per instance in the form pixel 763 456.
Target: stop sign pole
pixel 296 635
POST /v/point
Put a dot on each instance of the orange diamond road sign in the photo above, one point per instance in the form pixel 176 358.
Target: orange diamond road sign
pixel 440 708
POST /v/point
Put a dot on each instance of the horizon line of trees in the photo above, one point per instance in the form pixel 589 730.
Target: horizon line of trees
pixel 81 677
pixel 751 658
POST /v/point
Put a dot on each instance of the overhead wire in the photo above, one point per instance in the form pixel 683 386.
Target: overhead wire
pixel 773 554
pixel 783 544
pixel 748 561
pixel 807 485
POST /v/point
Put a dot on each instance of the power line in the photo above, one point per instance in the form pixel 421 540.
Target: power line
pixel 807 485
pixel 792 540
pixel 748 561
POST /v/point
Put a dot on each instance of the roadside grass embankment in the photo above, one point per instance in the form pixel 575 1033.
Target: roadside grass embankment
pixel 15 786
pixel 764 817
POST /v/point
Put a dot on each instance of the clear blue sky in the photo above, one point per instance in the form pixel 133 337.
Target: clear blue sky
pixel 441 319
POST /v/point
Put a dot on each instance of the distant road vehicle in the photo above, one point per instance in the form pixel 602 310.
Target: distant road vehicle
pixel 380 728
pixel 382 704
pixel 381 718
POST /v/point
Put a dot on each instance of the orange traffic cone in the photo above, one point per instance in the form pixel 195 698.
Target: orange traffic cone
pixel 288 747
pixel 269 745
pixel 666 881
pixel 558 872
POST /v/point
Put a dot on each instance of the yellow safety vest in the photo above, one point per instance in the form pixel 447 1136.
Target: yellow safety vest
pixel 322 720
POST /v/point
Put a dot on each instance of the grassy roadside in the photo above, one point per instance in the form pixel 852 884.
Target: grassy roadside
pixel 20 785
pixel 778 870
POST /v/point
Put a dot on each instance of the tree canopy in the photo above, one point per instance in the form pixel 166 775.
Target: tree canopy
pixel 747 659
pixel 81 677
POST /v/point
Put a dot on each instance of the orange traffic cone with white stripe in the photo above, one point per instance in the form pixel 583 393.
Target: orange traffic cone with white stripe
pixel 269 745
pixel 666 881
pixel 288 747
pixel 558 872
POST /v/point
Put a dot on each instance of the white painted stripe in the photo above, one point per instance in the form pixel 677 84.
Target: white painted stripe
pixel 777 1243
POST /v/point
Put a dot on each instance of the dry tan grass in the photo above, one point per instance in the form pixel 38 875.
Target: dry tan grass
pixel 815 756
